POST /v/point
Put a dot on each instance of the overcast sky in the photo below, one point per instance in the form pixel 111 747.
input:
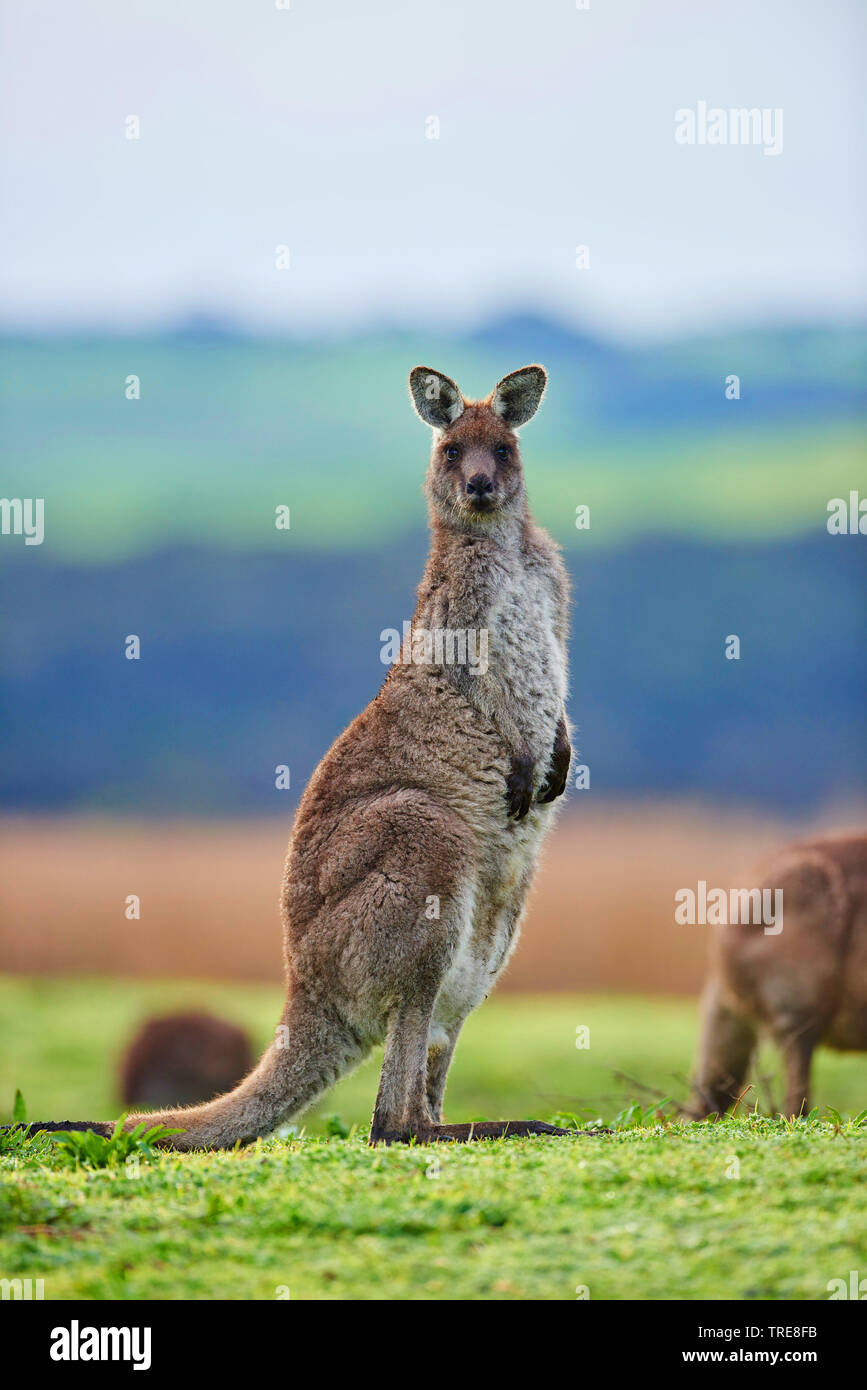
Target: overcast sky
pixel 307 127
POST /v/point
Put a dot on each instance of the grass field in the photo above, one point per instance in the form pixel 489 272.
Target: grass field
pixel 751 1208
pixel 647 1214
pixel 517 1055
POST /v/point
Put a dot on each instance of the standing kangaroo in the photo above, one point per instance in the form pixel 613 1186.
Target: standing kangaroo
pixel 415 842
pixel 807 985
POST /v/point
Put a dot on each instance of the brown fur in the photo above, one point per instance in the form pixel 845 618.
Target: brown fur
pixel 182 1058
pixel 416 840
pixel 808 985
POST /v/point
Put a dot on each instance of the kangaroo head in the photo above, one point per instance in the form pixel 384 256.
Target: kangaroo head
pixel 475 471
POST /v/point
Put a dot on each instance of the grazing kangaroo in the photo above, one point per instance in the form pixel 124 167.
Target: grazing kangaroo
pixel 181 1058
pixel 807 985
pixel 416 839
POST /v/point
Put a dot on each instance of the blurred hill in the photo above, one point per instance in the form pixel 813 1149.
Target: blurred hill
pixel 228 427
pixel 258 644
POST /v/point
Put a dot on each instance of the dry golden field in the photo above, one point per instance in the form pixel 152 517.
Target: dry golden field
pixel 601 916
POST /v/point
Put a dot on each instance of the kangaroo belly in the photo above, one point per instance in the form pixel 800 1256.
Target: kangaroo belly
pixel 491 925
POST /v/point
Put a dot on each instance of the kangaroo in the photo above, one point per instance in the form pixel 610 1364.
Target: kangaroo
pixel 415 842
pixel 180 1058
pixel 807 985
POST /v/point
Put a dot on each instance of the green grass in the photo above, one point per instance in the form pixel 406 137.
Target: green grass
pixel 650 1212
pixel 516 1055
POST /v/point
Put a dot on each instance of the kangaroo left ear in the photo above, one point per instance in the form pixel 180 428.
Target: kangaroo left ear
pixel 518 396
pixel 436 397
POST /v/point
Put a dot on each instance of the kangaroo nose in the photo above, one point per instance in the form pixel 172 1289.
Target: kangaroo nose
pixel 480 485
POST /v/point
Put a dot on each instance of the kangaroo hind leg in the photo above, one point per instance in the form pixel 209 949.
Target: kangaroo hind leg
pixel 409 1100
pixel 441 1047
pixel 312 1049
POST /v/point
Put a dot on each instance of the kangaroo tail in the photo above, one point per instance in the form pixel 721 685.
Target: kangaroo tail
pixel 312 1049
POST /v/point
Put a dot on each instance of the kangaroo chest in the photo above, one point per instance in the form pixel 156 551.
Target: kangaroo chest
pixel 526 660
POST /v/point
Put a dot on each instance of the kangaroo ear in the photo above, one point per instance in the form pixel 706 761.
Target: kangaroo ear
pixel 435 397
pixel 518 396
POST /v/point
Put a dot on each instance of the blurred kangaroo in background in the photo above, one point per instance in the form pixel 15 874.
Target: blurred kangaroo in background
pixel 181 1058
pixel 415 842
pixel 807 985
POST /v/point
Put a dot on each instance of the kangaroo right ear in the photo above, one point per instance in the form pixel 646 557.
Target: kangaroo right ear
pixel 517 397
pixel 436 397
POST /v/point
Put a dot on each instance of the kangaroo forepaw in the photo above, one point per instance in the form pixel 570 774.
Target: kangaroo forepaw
pixel 519 787
pixel 558 773
pixel 554 785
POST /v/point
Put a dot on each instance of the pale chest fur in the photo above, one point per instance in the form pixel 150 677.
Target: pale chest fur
pixel 512 597
pixel 527 682
pixel 526 659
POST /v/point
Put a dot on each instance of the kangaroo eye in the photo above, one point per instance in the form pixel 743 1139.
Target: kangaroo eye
pixel 452 452
pixel 502 451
